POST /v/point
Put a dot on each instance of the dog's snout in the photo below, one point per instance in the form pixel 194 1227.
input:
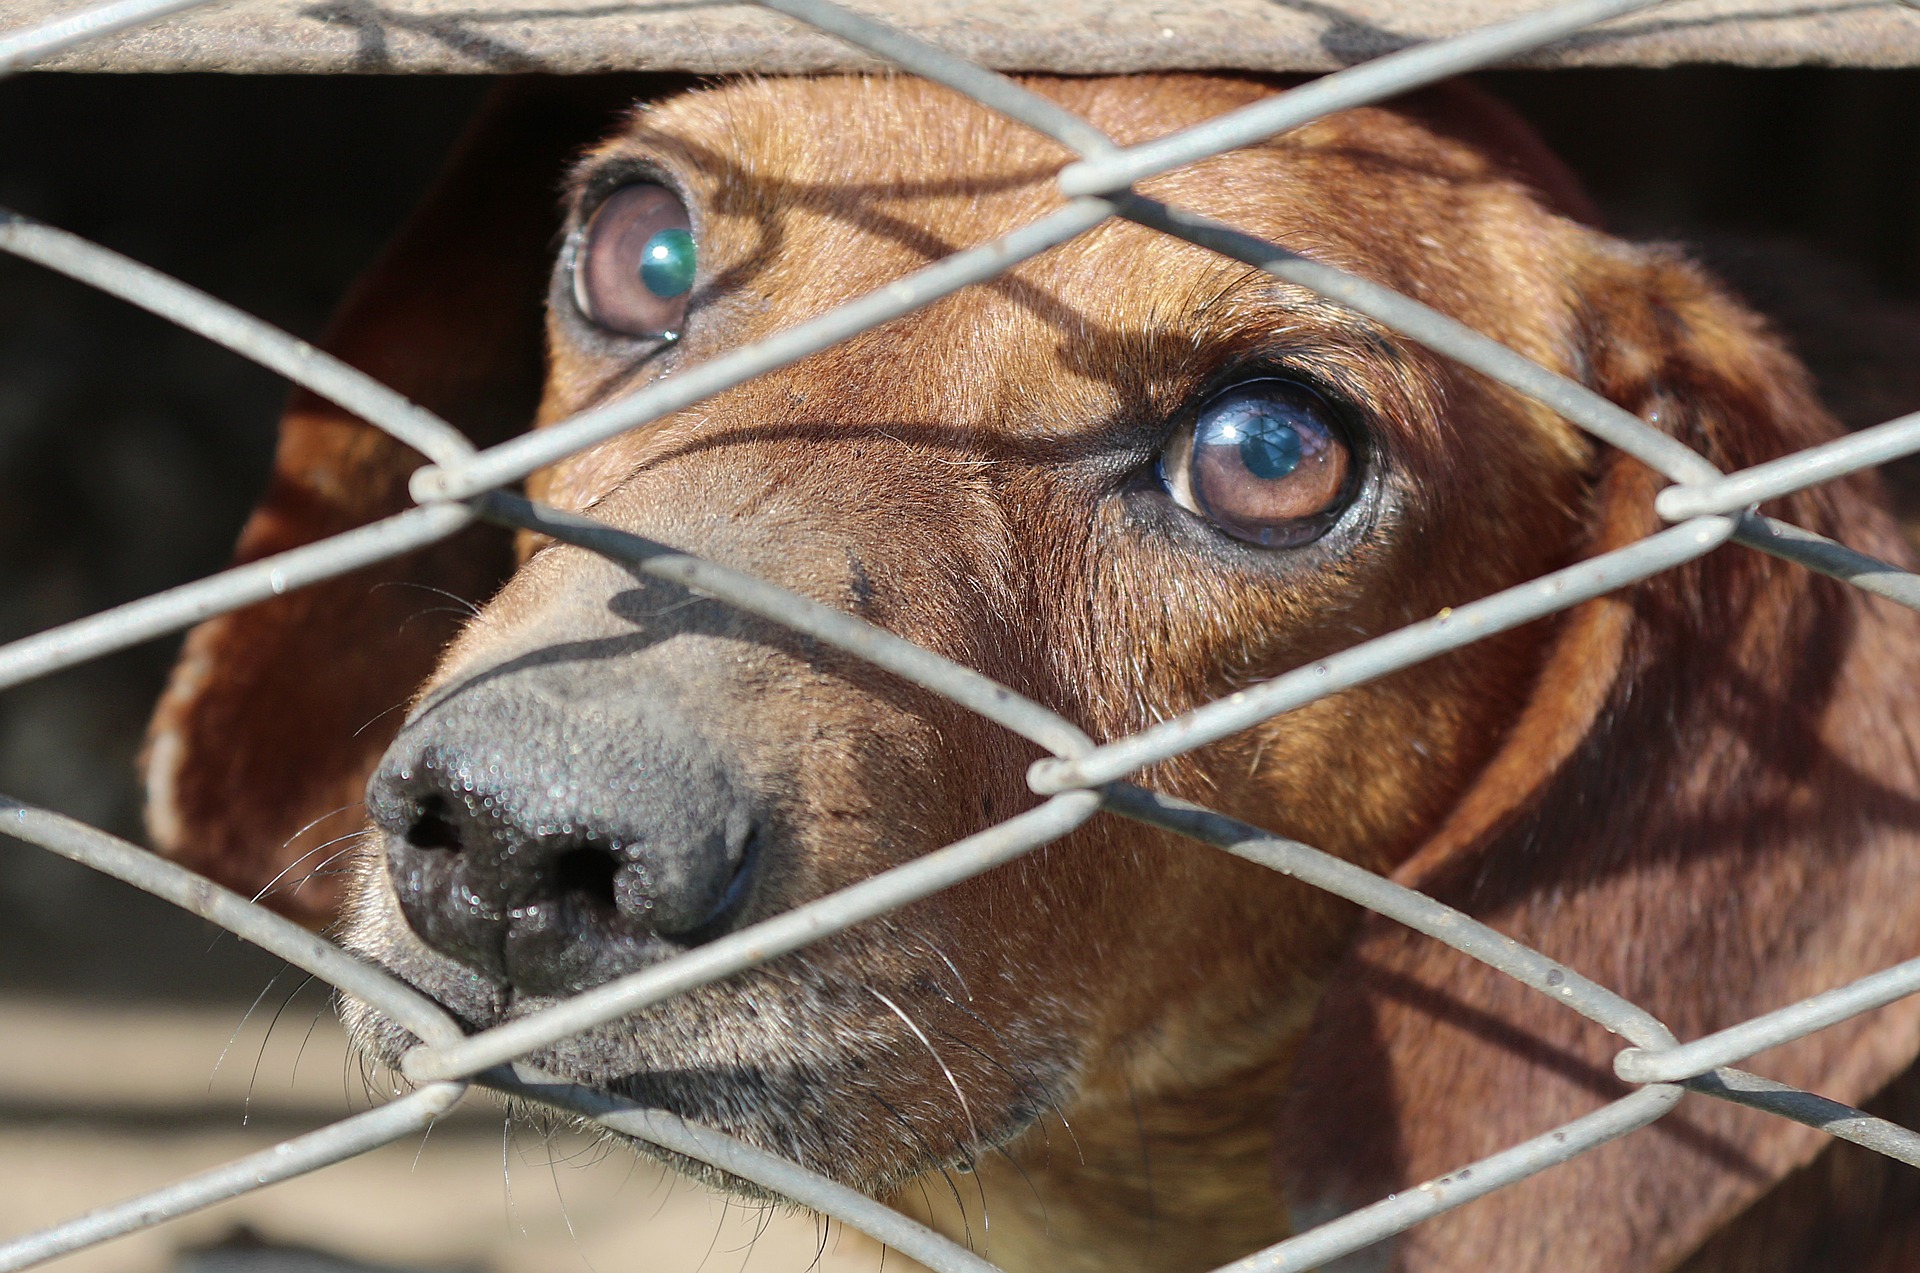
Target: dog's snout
pixel 553 847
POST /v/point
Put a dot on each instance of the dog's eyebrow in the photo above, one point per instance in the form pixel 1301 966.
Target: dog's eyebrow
pixel 598 174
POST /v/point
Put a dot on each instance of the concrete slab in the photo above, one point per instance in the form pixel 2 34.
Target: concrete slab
pixel 1077 36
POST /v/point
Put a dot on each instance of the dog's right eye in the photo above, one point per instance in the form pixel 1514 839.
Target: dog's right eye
pixel 635 263
pixel 1266 461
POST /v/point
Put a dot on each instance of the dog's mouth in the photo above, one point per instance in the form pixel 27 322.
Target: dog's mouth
pixel 810 1057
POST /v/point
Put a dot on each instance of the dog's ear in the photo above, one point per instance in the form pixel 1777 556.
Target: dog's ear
pixel 1462 111
pixel 259 749
pixel 1709 805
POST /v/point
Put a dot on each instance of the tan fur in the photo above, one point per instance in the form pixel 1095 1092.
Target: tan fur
pixel 1699 792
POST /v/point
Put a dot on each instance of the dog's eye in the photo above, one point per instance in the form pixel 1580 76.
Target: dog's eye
pixel 635 262
pixel 1264 461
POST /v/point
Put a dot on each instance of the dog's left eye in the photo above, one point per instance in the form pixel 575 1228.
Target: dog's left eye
pixel 1265 461
pixel 635 262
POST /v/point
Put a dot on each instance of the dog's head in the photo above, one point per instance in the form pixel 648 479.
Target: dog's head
pixel 1124 478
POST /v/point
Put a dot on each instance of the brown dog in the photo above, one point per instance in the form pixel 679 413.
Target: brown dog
pixel 1125 478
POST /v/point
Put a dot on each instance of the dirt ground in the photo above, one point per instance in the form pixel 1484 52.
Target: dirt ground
pixel 99 1104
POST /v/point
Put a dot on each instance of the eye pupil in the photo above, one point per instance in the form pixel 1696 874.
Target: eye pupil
pixel 667 263
pixel 1269 447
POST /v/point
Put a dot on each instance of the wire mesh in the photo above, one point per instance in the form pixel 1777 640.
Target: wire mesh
pixel 461 484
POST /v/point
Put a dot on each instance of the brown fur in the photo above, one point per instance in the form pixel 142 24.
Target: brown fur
pixel 1699 792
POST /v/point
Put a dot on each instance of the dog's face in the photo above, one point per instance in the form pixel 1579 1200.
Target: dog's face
pixel 1125 478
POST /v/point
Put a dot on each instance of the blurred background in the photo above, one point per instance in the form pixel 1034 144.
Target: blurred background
pixel 137 1044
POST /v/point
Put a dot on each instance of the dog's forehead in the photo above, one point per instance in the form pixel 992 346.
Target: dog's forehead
pixel 835 185
pixel 807 193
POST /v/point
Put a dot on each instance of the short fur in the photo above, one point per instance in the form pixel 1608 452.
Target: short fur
pixel 1700 792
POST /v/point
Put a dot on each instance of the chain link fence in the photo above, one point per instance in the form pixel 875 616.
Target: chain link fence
pixel 461 485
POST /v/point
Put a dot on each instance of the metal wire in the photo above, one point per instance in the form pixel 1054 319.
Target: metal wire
pixel 348 1138
pixel 242 333
pixel 754 945
pixel 1079 778
pixel 1822 555
pixel 1794 472
pixel 1362 85
pixel 182 607
pixel 1370 660
pixel 511 461
pixel 38 43
pixel 1400 1212
pixel 670 1131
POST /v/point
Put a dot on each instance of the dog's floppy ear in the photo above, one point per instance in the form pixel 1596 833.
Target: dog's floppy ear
pixel 274 716
pixel 1709 805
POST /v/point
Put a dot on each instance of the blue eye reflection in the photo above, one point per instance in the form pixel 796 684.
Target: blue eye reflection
pixel 1264 431
pixel 1270 444
pixel 667 263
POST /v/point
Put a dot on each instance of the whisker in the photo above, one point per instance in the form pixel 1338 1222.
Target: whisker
pixel 726 1209
pixel 929 943
pixel 566 1217
pixel 315 849
pixel 378 716
pixel 221 1059
pixel 1046 1218
pixel 312 1025
pixel 467 607
pixel 506 1176
pixel 246 1103
pixel 1034 1081
pixel 425 1133
pixel 822 1227
pixel 973 1132
pixel 759 1231
pixel 315 871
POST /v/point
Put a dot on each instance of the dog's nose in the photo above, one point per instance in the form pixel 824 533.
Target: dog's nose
pixel 554 843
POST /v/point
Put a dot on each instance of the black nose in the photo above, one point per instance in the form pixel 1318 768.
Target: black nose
pixel 542 838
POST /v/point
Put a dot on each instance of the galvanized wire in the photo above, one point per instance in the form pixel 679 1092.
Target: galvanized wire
pixel 1382 896
pixel 36 44
pixel 511 461
pixel 1821 555
pixel 1361 85
pixel 244 334
pixel 736 1157
pixel 1835 1119
pixel 1401 1211
pixel 176 608
pixel 1796 472
pixel 337 1142
pixel 1460 626
pixel 1079 778
pixel 754 945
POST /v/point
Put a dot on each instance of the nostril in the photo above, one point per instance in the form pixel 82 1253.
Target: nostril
pixel 587 875
pixel 431 828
